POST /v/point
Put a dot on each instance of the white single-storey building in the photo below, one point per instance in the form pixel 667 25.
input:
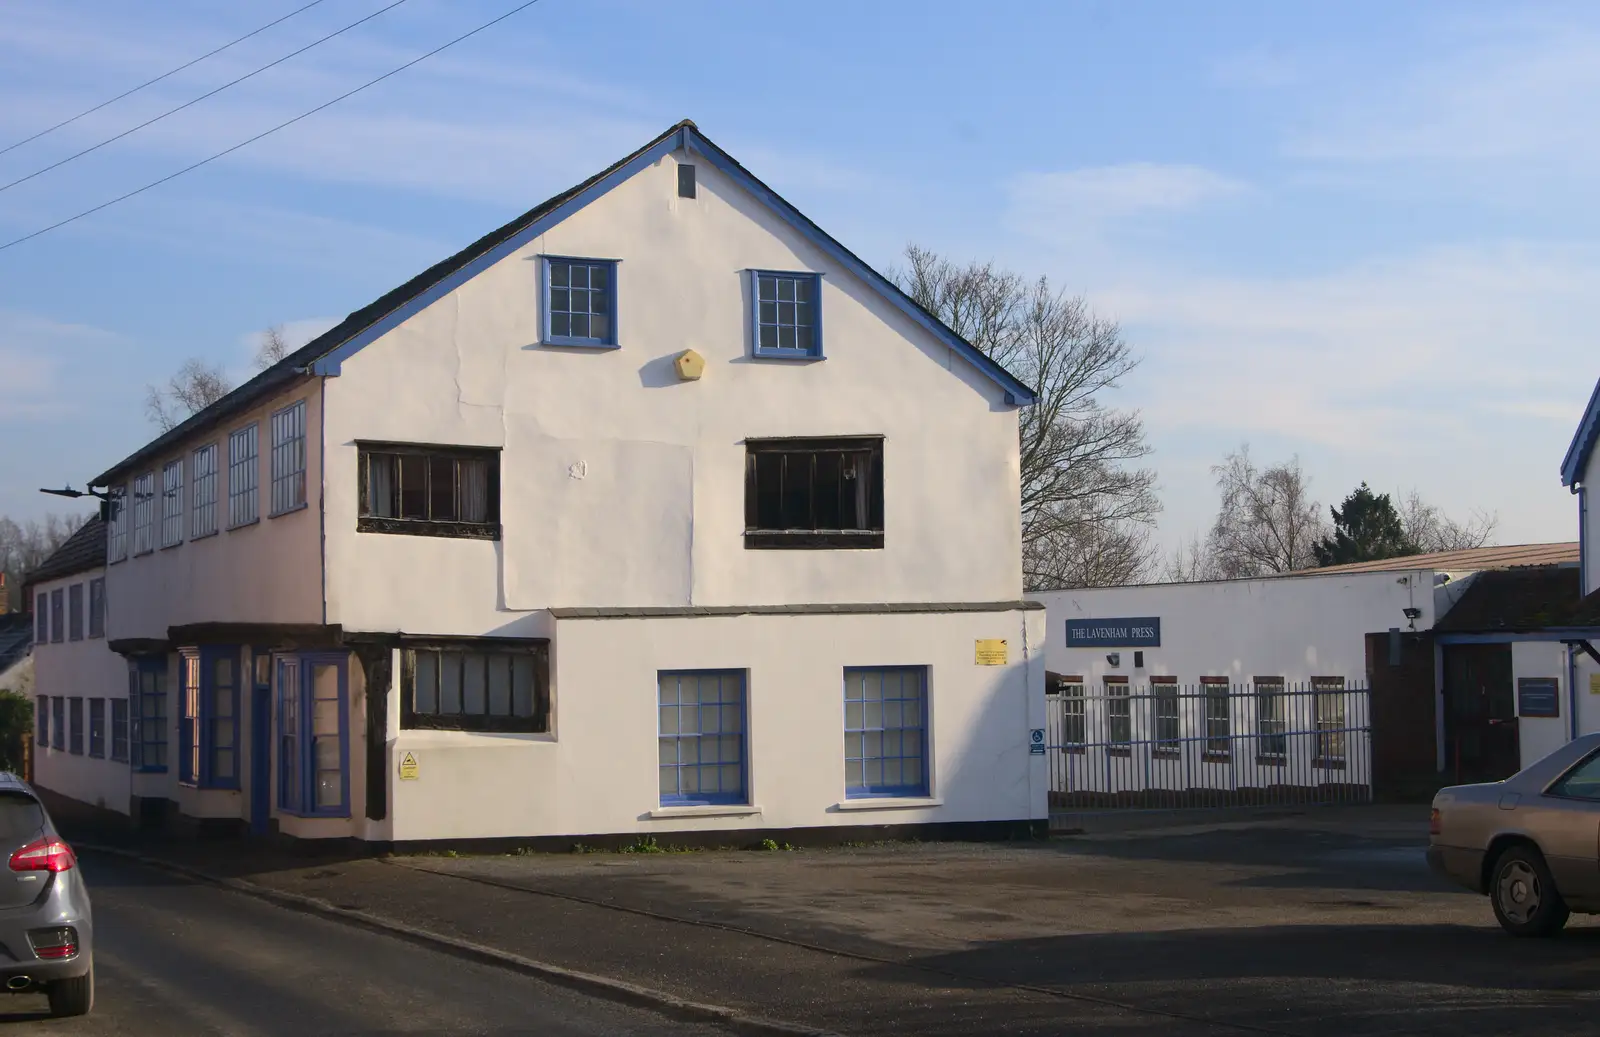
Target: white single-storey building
pixel 655 511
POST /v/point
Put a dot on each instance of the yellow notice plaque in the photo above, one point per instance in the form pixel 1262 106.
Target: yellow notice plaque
pixel 409 771
pixel 1594 683
pixel 992 652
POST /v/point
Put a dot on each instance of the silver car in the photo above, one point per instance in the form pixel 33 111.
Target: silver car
pixel 46 932
pixel 1531 842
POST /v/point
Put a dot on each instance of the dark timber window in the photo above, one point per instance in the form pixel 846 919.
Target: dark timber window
pixel 470 686
pixel 430 491
pixel 813 493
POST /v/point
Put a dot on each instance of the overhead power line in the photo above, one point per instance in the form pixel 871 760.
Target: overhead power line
pixel 202 97
pixel 265 133
pixel 157 79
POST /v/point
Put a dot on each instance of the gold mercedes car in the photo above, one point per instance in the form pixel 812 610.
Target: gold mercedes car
pixel 1530 842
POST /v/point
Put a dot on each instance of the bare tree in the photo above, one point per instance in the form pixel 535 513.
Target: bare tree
pixel 1428 529
pixel 1192 562
pixel 1087 508
pixel 1267 521
pixel 273 347
pixel 196 386
pixel 25 545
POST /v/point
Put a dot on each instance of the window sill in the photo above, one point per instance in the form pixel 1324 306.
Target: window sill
pixel 418 737
pixel 302 506
pixel 202 536
pixel 245 525
pixel 890 803
pixel 1167 754
pixel 770 540
pixel 1328 765
pixel 424 528
pixel 707 810
pixel 1119 750
pixel 168 547
pixel 1270 761
pixel 1216 756
pixel 342 814
pixel 790 356
pixel 559 342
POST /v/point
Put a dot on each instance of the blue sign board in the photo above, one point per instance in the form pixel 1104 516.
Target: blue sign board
pixel 1538 697
pixel 1127 632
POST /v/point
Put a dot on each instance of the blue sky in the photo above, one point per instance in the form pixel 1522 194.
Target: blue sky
pixel 1363 233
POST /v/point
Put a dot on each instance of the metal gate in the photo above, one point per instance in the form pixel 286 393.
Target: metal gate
pixel 1162 745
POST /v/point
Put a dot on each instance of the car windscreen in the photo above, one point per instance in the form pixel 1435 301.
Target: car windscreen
pixel 20 816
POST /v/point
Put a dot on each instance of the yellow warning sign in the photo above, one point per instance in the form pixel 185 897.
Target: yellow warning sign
pixel 992 652
pixel 408 767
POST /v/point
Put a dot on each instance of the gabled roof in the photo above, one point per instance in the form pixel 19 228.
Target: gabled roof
pixel 323 354
pixel 82 551
pixel 1474 558
pixel 1577 459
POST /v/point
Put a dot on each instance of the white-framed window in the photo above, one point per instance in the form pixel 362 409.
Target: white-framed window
pixel 172 504
pixel 1272 708
pixel 1168 722
pixel 1331 720
pixel 117 527
pixel 786 314
pixel 144 513
pixel 203 491
pixel 580 302
pixel 1217 699
pixel 289 458
pixel 244 476
pixel 1119 713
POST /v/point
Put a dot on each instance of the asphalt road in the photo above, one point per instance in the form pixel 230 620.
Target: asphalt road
pixel 176 959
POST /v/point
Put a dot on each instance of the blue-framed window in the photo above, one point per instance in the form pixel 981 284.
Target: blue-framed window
pixel 147 688
pixel 58 615
pixel 41 618
pixel 75 612
pixel 580 302
pixel 208 730
pixel 58 723
pixel 313 735
pixel 42 739
pixel 786 317
pixel 702 753
pixel 886 731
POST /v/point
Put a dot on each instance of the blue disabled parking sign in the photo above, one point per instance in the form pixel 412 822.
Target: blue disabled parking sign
pixel 1036 742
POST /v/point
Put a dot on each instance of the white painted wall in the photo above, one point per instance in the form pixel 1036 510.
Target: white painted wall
pixel 657 520
pixel 267 572
pixel 1291 627
pixel 86 669
pixel 596 772
pixel 1541 736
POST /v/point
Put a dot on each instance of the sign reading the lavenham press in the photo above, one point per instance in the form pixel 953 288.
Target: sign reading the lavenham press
pixel 1129 632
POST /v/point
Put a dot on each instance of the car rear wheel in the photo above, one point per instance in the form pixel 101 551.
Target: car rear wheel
pixel 1525 898
pixel 72 996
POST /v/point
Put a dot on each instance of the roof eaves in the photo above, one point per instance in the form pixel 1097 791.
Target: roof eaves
pixel 1583 442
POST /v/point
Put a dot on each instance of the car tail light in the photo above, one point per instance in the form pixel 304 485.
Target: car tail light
pixel 44 855
pixel 1435 822
pixel 55 943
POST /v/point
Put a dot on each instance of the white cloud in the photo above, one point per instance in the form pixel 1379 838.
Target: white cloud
pixel 34 354
pixel 1110 192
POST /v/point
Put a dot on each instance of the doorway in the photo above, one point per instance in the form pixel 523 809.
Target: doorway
pixel 1480 714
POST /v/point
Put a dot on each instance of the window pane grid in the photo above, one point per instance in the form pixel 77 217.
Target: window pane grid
pixel 423 486
pixel 203 491
pixel 41 618
pixel 119 730
pixel 117 528
pixel 701 719
pixel 172 504
pixel 1271 719
pixel 1219 730
pixel 150 718
pixel 477 690
pixel 75 612
pixel 42 735
pixel 1330 707
pixel 885 725
pixel 786 314
pixel 244 474
pixel 1074 714
pixel 144 513
pixel 1119 713
pixel 97 607
pixel 289 458
pixel 58 616
pixel 75 732
pixel 579 300
pixel 58 723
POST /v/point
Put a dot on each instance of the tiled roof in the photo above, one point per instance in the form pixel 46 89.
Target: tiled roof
pixel 1475 558
pixel 16 637
pixel 84 550
pixel 1517 599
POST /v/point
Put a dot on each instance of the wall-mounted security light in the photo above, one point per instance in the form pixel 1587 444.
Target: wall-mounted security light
pixel 1114 658
pixel 1413 614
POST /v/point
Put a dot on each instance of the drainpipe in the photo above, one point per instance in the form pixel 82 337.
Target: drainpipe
pixel 1572 690
pixel 1583 540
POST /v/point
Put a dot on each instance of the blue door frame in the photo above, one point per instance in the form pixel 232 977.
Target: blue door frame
pixel 260 751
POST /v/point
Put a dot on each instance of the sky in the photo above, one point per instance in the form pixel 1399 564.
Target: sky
pixel 1361 234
